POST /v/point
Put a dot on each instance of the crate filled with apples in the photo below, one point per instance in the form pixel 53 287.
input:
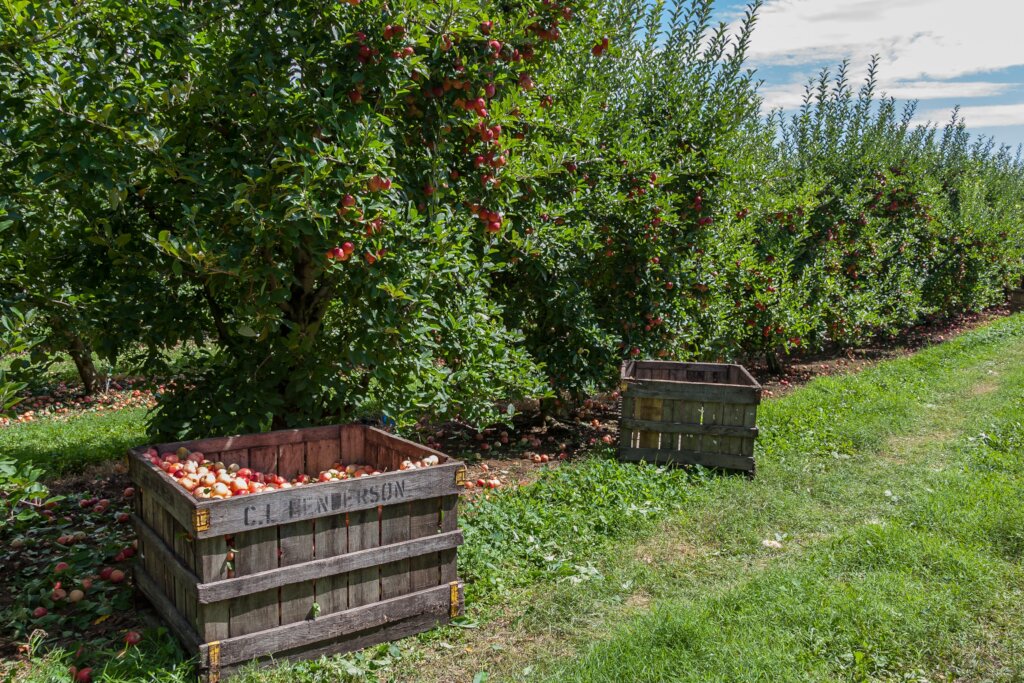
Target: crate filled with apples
pixel 325 539
pixel 205 479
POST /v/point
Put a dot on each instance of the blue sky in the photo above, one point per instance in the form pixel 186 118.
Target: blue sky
pixel 939 52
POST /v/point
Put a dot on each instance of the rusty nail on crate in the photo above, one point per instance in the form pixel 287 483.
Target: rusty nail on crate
pixel 455 598
pixel 201 519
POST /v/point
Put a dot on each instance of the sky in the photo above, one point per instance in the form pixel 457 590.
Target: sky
pixel 941 53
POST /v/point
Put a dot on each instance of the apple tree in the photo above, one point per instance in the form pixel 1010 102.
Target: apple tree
pixel 306 175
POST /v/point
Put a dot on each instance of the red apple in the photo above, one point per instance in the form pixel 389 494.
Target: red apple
pixel 132 638
pixel 116 576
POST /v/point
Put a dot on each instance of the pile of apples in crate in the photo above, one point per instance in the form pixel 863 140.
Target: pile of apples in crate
pixel 206 479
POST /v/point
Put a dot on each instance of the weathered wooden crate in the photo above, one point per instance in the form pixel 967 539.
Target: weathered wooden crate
pixel 689 413
pixel 375 554
pixel 1017 300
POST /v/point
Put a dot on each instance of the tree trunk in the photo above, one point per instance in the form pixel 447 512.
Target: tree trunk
pixel 774 362
pixel 81 354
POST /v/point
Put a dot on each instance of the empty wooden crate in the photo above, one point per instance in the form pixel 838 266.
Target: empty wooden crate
pixel 303 571
pixel 689 413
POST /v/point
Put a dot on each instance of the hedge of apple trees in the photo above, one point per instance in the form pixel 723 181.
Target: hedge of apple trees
pixel 441 207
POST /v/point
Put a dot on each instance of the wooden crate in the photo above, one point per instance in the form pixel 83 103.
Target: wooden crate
pixel 376 554
pixel 689 414
pixel 1017 300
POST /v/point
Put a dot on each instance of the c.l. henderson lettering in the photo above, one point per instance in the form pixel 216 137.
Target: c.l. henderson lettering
pixel 315 506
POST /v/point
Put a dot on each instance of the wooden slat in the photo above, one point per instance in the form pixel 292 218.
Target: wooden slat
pixel 394 528
pixel 162 489
pixel 650 369
pixel 669 439
pixel 724 461
pixel 732 415
pixel 340 563
pixel 363 534
pixel 424 520
pixel 263 459
pixel 237 456
pixel 409 449
pixel 721 393
pixel 291 460
pixel 283 638
pixel 387 632
pixel 255 551
pixel 322 455
pixel 149 507
pixel 712 420
pixel 352 439
pixel 212 620
pixel 690 428
pixel 184 586
pixel 177 623
pixel 649 410
pixel 331 550
pixel 627 437
pixel 164 527
pixel 296 542
pixel 309 502
pixel 227 443
pixel 163 556
pixel 749 420
pixel 449 524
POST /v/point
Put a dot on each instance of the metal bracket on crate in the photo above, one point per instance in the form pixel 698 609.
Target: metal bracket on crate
pixel 460 476
pixel 623 386
pixel 214 654
pixel 201 519
pixel 455 598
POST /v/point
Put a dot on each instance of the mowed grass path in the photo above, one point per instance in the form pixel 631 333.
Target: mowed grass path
pixel 881 541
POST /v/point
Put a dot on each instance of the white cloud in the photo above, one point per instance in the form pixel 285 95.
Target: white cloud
pixel 916 39
pixel 790 95
pixel 921 44
pixel 981 116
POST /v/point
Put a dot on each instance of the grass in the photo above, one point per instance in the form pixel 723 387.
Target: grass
pixel 71 444
pixel 881 541
pixel 895 497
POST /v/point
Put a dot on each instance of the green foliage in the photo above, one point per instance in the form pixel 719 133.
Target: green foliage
pixel 356 208
pixel 552 527
pixel 14 343
pixel 22 494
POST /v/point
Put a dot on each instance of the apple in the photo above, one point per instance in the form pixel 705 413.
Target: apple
pixel 61 566
pixel 116 576
pixel 76 596
pixel 106 572
pixel 84 675
pixel 132 638
pixel 40 612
